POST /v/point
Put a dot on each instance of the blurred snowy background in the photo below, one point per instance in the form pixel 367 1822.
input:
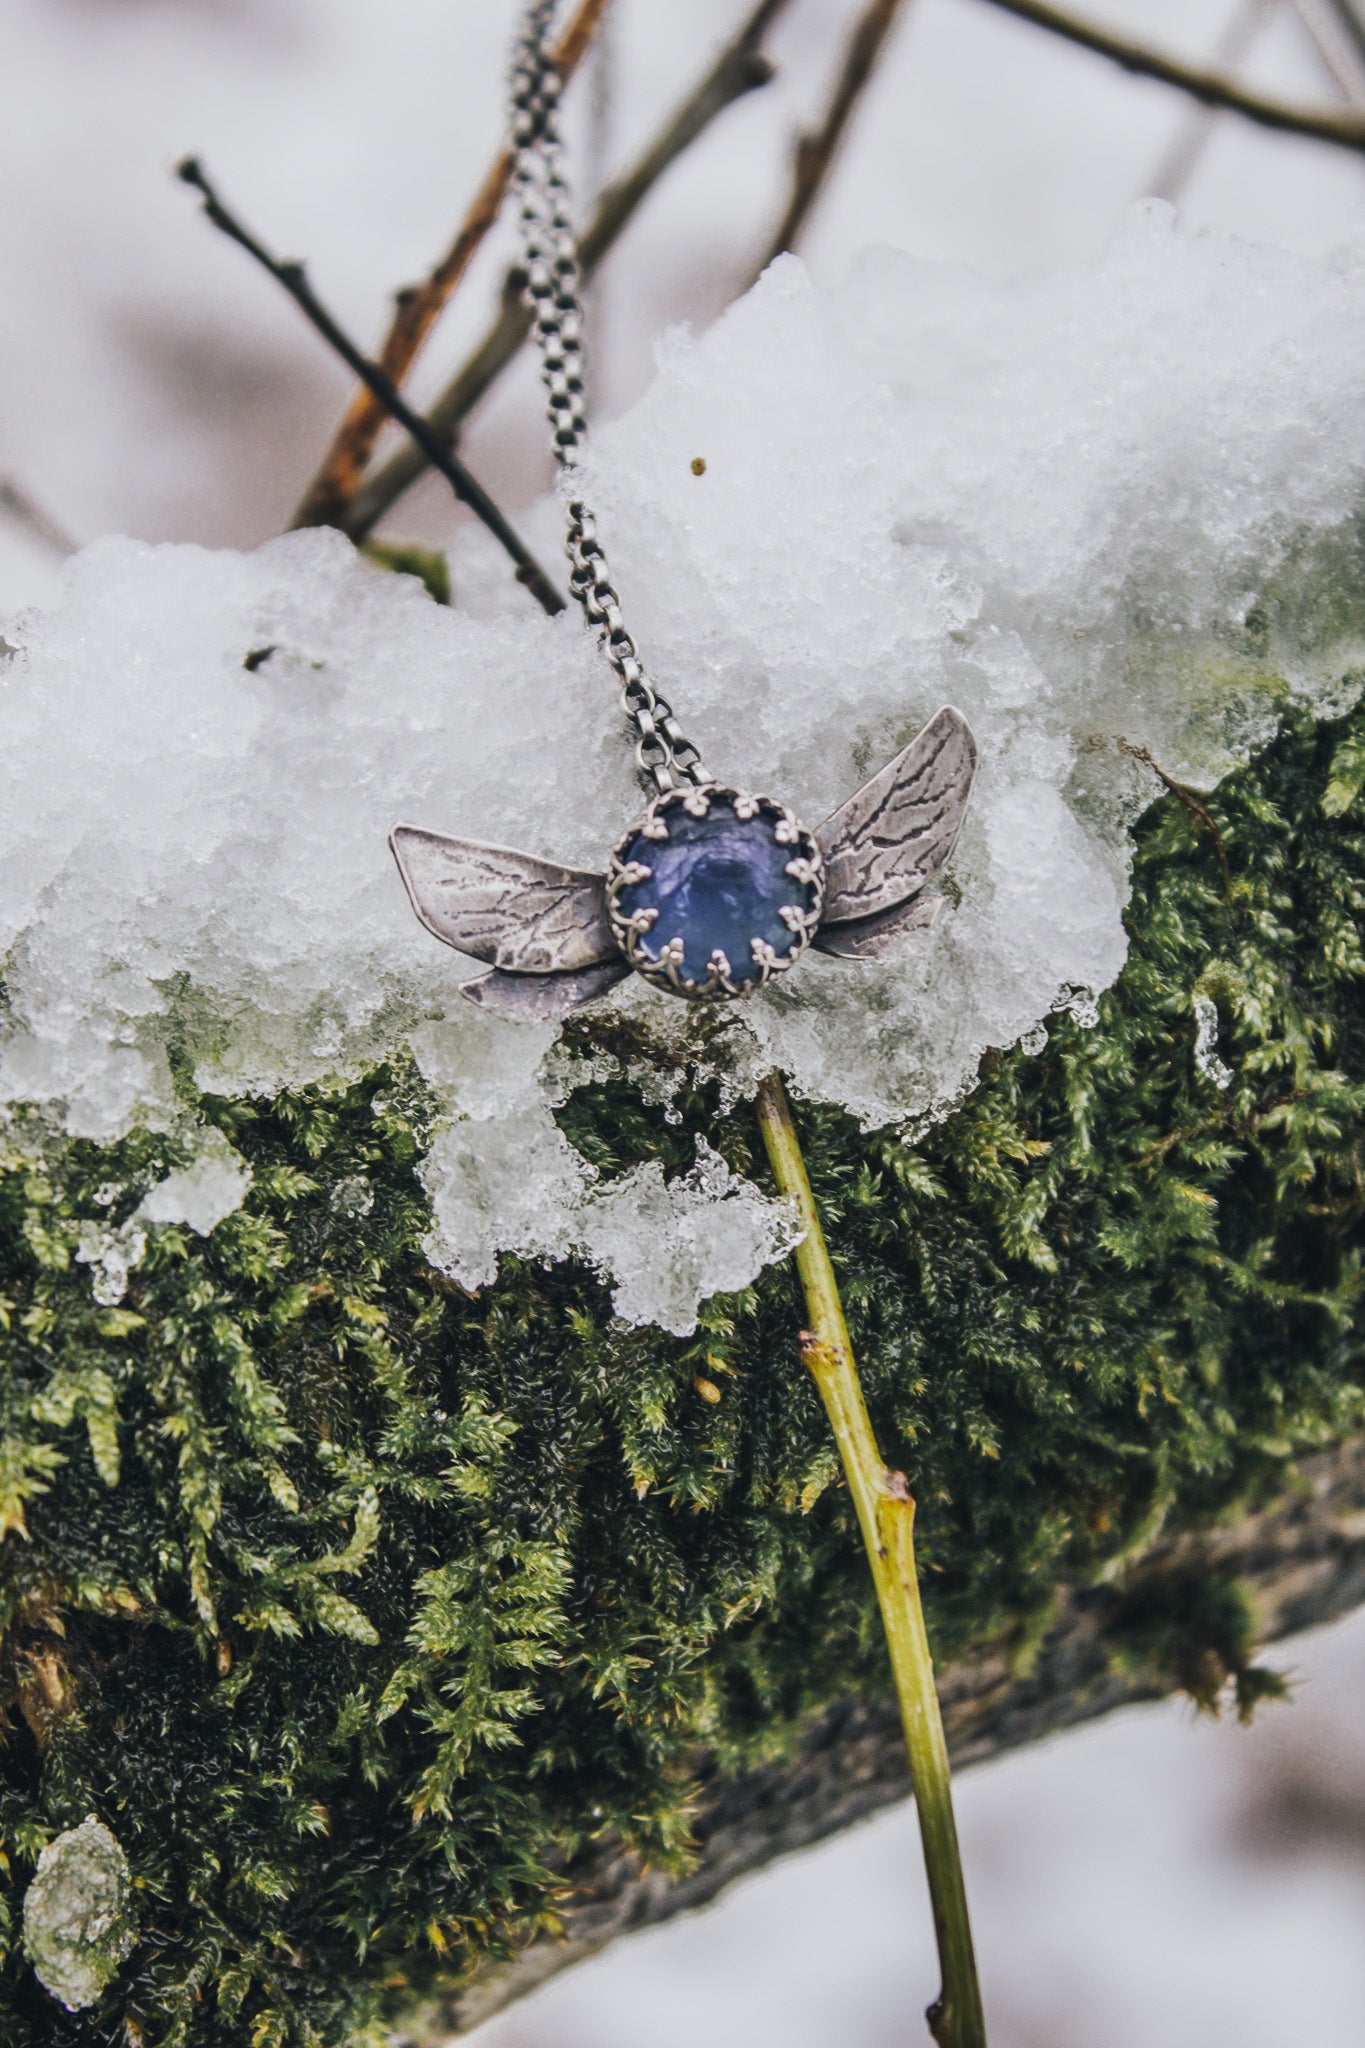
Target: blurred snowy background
pixel 152 382
pixel 1151 1879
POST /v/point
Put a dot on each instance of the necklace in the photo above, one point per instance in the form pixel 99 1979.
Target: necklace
pixel 714 891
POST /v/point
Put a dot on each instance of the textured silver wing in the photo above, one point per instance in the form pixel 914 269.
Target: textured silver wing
pixel 522 915
pixel 896 834
pixel 542 998
pixel 872 938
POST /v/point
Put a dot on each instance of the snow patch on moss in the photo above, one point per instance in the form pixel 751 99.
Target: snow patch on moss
pixel 78 1914
pixel 201 1194
pixel 1113 504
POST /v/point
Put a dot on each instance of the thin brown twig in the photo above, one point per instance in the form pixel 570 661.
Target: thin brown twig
pixel 1187 797
pixel 434 446
pixel 1346 130
pixel 815 153
pixel 22 510
pixel 740 68
pixel 1335 36
pixel 1198 123
pixel 417 308
pixel 1352 22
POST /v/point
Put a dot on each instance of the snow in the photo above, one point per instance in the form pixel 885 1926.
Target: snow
pixel 201 1194
pixel 112 1254
pixel 1108 503
pixel 1206 1043
pixel 78 1919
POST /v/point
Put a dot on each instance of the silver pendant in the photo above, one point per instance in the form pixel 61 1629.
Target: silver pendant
pixel 709 895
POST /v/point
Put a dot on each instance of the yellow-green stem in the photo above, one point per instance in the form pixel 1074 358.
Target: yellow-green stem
pixel 886 1515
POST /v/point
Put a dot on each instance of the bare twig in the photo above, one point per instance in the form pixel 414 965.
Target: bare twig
pixel 815 153
pixel 1338 42
pixel 1197 123
pixel 1197 810
pixel 1344 129
pixel 434 445
pixel 740 69
pixel 418 307
pixel 22 510
pixel 1352 20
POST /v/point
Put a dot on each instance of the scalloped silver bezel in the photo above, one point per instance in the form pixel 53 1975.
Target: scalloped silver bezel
pixel 806 863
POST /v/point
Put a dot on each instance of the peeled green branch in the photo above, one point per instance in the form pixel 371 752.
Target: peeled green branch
pixel 886 1517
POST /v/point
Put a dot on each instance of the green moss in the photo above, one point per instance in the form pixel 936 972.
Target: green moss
pixel 406 558
pixel 343 1598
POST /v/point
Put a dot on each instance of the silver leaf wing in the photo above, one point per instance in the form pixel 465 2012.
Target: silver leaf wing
pixel 542 998
pixel 897 832
pixel 520 914
pixel 872 938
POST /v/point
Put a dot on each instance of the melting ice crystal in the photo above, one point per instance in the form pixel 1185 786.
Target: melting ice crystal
pixel 78 1913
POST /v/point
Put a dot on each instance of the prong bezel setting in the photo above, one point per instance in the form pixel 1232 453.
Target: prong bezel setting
pixel 664 970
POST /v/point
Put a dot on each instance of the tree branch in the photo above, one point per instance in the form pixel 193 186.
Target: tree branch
pixel 1339 42
pixel 435 447
pixel 815 154
pixel 1302 1560
pixel 1345 129
pixel 418 307
pixel 741 68
pixel 1181 156
pixel 1352 22
pixel 22 510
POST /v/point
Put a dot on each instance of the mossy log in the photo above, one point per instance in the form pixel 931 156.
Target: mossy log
pixel 367 1615
pixel 1299 1562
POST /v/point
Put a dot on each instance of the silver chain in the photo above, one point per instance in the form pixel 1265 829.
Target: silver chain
pixel 550 255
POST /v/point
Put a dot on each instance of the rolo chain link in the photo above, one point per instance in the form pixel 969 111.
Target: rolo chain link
pixel 550 256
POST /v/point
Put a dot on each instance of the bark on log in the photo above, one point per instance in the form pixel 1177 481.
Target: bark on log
pixel 1302 1560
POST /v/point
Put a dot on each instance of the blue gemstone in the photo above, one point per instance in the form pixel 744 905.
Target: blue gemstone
pixel 718 883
